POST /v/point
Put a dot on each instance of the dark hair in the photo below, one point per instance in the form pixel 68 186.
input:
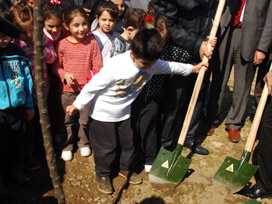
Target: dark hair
pixel 6 23
pixel 52 10
pixel 108 6
pixel 147 44
pixel 71 11
pixel 135 18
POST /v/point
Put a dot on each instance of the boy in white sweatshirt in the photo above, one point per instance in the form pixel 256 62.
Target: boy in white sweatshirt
pixel 111 93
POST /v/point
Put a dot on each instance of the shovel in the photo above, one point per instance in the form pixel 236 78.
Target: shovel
pixel 171 167
pixel 235 174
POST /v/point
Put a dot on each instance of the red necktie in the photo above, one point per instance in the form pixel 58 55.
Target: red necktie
pixel 235 18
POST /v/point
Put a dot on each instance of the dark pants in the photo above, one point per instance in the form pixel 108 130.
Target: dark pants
pixel 107 140
pixel 263 153
pixel 174 108
pixel 71 123
pixel 33 140
pixel 144 119
pixel 11 139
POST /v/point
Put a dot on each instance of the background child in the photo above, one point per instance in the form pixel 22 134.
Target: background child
pixel 16 103
pixel 54 32
pixel 23 17
pixel 122 7
pixel 77 55
pixel 106 16
pixel 111 93
pixel 133 21
pixel 145 114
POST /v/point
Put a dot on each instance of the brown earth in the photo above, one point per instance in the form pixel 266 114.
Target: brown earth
pixel 78 177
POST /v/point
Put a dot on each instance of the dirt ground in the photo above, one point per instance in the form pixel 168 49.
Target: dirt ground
pixel 78 177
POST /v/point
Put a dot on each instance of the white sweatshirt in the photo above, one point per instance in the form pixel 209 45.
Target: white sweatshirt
pixel 117 85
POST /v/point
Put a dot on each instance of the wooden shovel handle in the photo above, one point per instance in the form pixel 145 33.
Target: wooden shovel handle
pixel 200 76
pixel 257 118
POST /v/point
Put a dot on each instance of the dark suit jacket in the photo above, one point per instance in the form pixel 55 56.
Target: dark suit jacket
pixel 256 29
pixel 189 21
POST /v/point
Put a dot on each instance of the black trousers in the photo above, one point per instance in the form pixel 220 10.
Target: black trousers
pixel 263 153
pixel 11 139
pixel 112 143
pixel 144 119
pixel 174 107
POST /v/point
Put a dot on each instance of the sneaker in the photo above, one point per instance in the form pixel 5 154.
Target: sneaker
pixel 67 155
pixel 131 177
pixel 85 151
pixel 33 164
pixel 147 168
pixel 104 184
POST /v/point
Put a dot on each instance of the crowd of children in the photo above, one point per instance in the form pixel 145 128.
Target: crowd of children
pixel 96 66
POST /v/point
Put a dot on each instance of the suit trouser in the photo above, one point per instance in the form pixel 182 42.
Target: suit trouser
pixel 71 123
pixel 263 153
pixel 224 58
pixel 108 140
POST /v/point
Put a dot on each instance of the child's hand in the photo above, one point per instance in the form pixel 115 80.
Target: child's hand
pixel 71 110
pixel 197 67
pixel 69 79
pixel 30 114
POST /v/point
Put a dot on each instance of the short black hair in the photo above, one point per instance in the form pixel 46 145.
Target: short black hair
pixel 147 44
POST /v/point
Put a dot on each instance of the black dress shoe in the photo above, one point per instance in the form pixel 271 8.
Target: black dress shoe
pixel 256 192
pixel 197 148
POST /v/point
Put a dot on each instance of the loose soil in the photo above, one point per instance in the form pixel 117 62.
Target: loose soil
pixel 79 184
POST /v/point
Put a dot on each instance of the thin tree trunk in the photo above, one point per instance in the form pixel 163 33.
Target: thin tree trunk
pixel 42 103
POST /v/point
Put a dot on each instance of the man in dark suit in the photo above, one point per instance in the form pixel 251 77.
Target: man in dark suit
pixel 244 39
pixel 189 24
pixel 262 155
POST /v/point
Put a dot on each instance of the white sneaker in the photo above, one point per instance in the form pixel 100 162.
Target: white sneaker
pixel 147 168
pixel 67 155
pixel 85 151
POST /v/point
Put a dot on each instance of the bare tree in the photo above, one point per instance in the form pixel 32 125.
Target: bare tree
pixel 42 103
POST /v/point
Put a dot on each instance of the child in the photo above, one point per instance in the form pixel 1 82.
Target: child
pixel 54 32
pixel 23 17
pixel 78 54
pixel 16 103
pixel 145 109
pixel 133 22
pixel 122 7
pixel 111 93
pixel 106 16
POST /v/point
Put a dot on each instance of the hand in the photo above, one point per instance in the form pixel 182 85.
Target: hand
pixel 69 79
pixel 197 67
pixel 88 11
pixel 71 110
pixel 212 41
pixel 268 80
pixel 203 50
pixel 258 57
pixel 30 114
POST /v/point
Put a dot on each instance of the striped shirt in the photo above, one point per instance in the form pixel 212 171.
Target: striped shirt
pixel 77 59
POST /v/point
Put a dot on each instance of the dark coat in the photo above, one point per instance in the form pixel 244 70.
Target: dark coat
pixel 189 21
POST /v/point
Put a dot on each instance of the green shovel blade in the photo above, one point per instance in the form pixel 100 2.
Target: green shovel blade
pixel 235 174
pixel 169 167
